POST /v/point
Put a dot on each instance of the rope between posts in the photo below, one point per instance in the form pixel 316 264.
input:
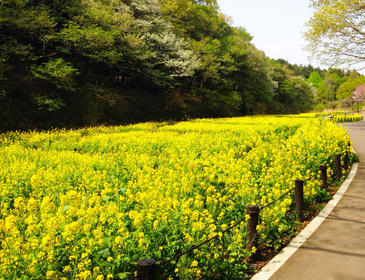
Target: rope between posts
pixel 280 197
pixel 203 243
pixel 221 233
pixel 224 231
pixel 217 235
pixel 310 178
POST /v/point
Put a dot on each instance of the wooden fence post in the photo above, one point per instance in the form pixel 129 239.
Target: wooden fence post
pixel 346 160
pixel 253 211
pixel 299 199
pixel 337 166
pixel 323 169
pixel 146 269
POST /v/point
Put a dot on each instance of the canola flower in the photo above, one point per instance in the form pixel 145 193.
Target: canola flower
pixel 340 118
pixel 337 117
pixel 89 203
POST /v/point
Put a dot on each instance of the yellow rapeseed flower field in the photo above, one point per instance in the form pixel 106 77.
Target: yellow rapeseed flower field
pixel 89 203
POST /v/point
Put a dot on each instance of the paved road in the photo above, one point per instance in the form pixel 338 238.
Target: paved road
pixel 337 249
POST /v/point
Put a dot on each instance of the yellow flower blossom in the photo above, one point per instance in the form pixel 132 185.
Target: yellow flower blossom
pixel 106 194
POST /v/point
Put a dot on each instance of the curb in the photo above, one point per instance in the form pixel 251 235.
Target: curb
pixel 271 267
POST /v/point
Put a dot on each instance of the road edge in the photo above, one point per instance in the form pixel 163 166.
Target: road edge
pixel 271 267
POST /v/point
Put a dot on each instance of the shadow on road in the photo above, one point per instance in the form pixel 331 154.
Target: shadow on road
pixel 346 220
pixel 334 251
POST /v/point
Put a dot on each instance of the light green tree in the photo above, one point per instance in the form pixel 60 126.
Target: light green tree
pixel 315 79
pixel 326 92
pixel 336 31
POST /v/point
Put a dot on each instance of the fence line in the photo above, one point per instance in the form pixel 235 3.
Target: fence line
pixel 203 243
pixel 280 197
pixel 146 267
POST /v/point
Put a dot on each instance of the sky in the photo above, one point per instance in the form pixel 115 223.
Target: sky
pixel 277 26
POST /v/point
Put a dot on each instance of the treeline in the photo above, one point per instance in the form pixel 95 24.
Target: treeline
pixel 333 88
pixel 76 63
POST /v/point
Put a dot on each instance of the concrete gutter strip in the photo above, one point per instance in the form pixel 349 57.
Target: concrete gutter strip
pixel 271 267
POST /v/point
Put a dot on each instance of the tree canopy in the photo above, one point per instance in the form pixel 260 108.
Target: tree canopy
pixel 89 62
pixel 336 31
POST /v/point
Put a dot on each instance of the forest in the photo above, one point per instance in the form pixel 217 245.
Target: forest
pixel 90 62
